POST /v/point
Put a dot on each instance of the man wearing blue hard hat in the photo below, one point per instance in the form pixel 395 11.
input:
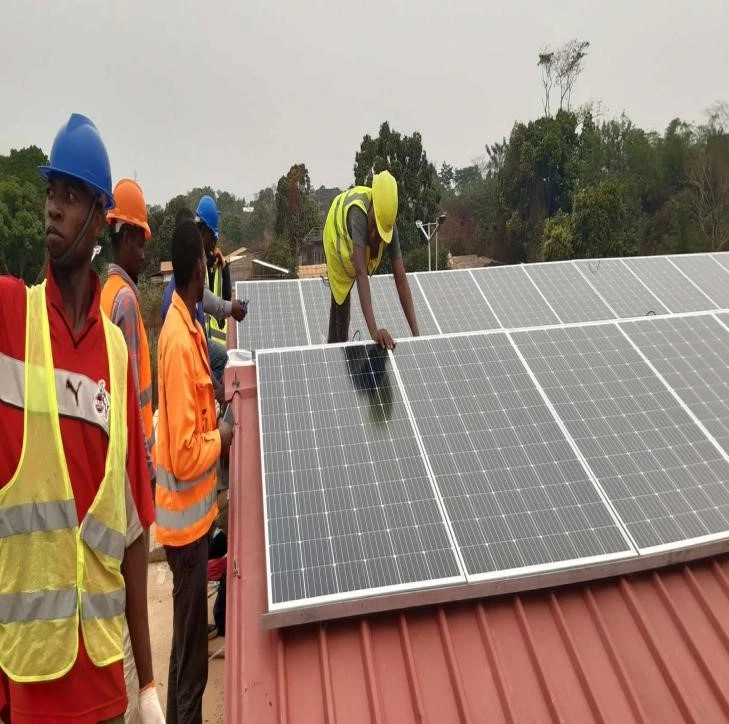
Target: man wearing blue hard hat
pixel 217 304
pixel 75 492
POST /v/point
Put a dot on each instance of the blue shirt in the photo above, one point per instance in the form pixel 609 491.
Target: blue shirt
pixel 167 300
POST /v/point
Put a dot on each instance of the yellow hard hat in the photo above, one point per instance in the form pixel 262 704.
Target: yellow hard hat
pixel 384 199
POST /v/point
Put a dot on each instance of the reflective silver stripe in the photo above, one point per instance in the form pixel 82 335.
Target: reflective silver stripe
pixel 145 396
pixel 217 334
pixel 37 517
pixel 103 605
pixel 169 482
pixel 151 441
pixel 38 605
pixel 102 538
pixel 181 519
pixel 76 393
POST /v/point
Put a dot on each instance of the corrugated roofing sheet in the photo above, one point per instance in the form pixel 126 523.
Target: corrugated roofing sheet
pixel 652 647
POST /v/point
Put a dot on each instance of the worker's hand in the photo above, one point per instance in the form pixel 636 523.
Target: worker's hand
pixel 226 438
pixel 150 711
pixel 382 337
pixel 238 311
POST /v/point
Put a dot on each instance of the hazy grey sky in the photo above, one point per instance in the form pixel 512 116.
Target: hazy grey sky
pixel 230 94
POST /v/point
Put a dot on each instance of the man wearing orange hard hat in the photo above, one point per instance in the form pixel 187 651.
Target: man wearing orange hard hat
pixel 359 227
pixel 120 302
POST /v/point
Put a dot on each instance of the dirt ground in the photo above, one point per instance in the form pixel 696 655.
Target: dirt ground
pixel 159 596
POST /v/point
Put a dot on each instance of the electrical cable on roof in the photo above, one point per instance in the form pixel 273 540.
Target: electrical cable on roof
pixel 356 333
pixel 589 265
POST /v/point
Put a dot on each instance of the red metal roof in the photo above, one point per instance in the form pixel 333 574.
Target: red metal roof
pixel 652 647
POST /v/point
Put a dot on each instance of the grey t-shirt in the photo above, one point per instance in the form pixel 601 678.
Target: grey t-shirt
pixel 357 227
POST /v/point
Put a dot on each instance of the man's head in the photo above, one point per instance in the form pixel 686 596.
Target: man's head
pixel 207 218
pixel 78 179
pixel 188 260
pixel 384 206
pixel 129 227
pixel 184 214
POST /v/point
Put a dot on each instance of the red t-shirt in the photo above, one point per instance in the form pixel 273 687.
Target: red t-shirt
pixel 87 693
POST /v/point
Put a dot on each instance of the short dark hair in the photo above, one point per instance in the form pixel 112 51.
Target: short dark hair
pixel 187 251
pixel 183 214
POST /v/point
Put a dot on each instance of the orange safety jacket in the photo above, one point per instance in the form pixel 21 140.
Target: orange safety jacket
pixel 114 284
pixel 188 440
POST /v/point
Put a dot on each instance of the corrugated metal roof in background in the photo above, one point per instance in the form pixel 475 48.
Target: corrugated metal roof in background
pixel 651 647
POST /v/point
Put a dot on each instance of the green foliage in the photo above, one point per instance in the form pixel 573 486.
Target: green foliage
pixel 557 238
pixel 417 180
pixel 600 221
pixel 417 259
pixel 279 253
pixel 21 228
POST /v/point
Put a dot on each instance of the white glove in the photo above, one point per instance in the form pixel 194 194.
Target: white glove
pixel 150 711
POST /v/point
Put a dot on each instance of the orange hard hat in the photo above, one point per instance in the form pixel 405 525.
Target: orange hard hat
pixel 130 206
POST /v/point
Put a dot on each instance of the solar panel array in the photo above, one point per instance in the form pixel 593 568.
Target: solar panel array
pixel 587 424
pixel 491 455
pixel 296 312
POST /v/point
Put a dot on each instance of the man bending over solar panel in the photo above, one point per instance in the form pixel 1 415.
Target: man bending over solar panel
pixel 360 224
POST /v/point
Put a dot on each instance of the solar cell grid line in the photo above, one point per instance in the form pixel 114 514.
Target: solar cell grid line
pixel 514 298
pixel 663 475
pixel 567 291
pixel 456 301
pixel 692 356
pixel 349 508
pixel 517 497
pixel 705 273
pixel 674 290
pixel 275 315
pixel 620 289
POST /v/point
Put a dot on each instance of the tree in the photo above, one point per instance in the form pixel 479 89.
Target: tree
pixel 557 238
pixel 417 180
pixel 709 179
pixel 21 229
pixel 600 221
pixel 562 67
pixel 538 178
pixel 279 253
pixel 296 212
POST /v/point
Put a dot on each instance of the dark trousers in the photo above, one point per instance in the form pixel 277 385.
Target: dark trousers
pixel 339 321
pixel 189 657
pixel 218 359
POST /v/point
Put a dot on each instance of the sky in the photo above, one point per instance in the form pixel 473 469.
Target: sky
pixel 231 93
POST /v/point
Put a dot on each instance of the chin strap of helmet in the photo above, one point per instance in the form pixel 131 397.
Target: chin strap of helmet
pixel 80 236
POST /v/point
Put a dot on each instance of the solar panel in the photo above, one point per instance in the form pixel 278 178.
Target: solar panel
pixel 513 489
pixel 665 478
pixel 317 300
pixel 570 296
pixel 456 301
pixel 622 290
pixel 710 277
pixel 673 289
pixel 275 315
pixel 692 354
pixel 513 297
pixel 350 508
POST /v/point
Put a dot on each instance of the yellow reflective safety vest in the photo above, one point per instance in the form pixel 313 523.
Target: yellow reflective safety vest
pixel 338 244
pixel 53 571
pixel 216 331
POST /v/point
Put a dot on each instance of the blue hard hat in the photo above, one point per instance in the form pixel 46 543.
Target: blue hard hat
pixel 79 152
pixel 207 212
